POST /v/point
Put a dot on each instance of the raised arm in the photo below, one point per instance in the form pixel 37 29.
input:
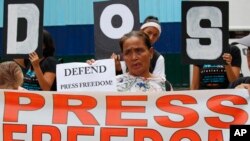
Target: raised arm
pixel 45 79
pixel 196 78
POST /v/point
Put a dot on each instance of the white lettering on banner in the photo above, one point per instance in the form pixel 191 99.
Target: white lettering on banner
pixel 30 13
pixel 84 77
pixel 206 115
pixel 194 49
pixel 106 21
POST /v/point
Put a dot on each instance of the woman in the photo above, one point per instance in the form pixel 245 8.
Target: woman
pixel 41 72
pixel 137 53
pixel 213 76
pixel 11 76
pixel 152 28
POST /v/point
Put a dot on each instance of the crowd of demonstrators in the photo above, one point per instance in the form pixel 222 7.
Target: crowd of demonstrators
pixel 11 76
pixel 137 52
pixel 152 28
pixel 145 67
pixel 40 73
pixel 214 76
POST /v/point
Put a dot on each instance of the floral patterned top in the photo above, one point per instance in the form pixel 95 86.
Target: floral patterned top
pixel 129 83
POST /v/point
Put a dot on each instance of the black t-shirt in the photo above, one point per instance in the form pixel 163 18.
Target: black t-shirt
pixel 214 76
pixel 47 65
pixel 239 81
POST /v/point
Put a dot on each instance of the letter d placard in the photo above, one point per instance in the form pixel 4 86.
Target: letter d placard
pixel 23 28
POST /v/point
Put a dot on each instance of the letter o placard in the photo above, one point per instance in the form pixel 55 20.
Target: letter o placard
pixel 106 21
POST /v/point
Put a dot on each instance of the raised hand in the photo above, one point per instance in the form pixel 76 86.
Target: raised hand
pixel 34 59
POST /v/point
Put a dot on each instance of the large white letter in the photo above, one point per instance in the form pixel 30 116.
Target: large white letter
pixel 106 21
pixel 194 49
pixel 31 13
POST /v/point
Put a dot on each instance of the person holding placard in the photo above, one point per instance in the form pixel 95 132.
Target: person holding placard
pixel 214 76
pixel 243 82
pixel 152 28
pixel 137 53
pixel 40 72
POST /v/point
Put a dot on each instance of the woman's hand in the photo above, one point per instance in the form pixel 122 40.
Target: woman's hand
pixel 228 58
pixel 34 59
pixel 244 86
pixel 233 72
pixel 90 62
pixel 117 59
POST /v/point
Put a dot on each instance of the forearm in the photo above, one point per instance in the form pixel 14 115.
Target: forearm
pixel 194 86
pixel 41 79
pixel 195 83
pixel 232 75
pixel 20 62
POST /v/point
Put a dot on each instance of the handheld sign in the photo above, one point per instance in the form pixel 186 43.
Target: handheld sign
pixel 99 76
pixel 113 19
pixel 23 27
pixel 205 32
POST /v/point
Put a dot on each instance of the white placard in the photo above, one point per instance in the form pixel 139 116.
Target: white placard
pixel 99 76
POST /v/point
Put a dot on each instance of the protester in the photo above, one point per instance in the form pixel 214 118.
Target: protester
pixel 243 82
pixel 137 52
pixel 152 28
pixel 245 41
pixel 11 76
pixel 214 76
pixel 41 72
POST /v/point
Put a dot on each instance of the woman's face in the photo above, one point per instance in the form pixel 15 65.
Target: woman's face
pixel 153 33
pixel 137 56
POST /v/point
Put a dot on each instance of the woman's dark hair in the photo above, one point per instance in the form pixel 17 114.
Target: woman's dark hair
pixel 49 47
pixel 151 19
pixel 139 34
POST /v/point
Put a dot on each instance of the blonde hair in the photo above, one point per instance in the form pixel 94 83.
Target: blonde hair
pixel 11 75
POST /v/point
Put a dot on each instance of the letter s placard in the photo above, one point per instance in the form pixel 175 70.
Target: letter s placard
pixel 23 28
pixel 205 32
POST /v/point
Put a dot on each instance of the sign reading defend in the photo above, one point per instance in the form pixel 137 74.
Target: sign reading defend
pixel 99 76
